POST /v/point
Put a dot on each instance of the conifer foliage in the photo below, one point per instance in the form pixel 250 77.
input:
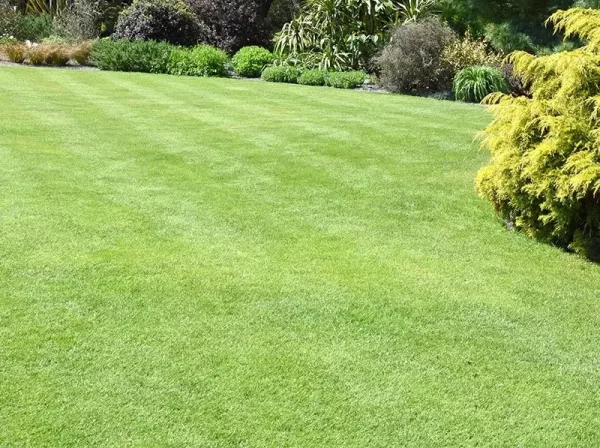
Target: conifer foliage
pixel 545 173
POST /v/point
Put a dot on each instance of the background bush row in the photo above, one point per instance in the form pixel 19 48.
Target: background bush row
pixel 414 46
pixel 403 63
pixel 315 77
pixel 203 60
pixel 150 56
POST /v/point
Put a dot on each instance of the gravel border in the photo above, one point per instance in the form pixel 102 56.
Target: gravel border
pixel 66 67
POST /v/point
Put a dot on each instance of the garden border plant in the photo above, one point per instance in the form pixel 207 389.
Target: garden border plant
pixel 250 61
pixel 544 178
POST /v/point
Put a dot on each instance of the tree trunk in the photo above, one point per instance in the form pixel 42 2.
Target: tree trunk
pixel 265 6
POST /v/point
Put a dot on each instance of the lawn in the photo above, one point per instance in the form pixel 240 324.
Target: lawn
pixel 219 263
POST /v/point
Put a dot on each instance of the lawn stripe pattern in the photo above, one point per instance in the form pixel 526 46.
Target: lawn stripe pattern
pixel 209 262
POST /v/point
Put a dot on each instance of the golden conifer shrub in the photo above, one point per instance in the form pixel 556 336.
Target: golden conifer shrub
pixel 544 177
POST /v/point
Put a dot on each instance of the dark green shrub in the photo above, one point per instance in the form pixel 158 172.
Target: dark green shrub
pixel 563 46
pixel 595 4
pixel 503 37
pixel 313 77
pixel 34 27
pixel 202 60
pixel 413 62
pixel 109 15
pixel 473 84
pixel 160 20
pixel 132 56
pixel 250 61
pixel 517 86
pixel 281 73
pixel 526 16
pixel 345 80
pixel 232 24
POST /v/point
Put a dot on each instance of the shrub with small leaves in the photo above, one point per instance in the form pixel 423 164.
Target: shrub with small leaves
pixel 161 20
pixel 281 73
pixel 250 61
pixel 473 84
pixel 468 52
pixel 78 20
pixel 202 60
pixel 412 61
pixel 34 27
pixel 313 77
pixel 345 80
pixel 132 56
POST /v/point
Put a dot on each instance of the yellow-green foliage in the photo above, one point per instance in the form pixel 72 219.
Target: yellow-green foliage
pixel 545 173
pixel 467 52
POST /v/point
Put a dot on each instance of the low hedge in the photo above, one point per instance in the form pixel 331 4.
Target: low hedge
pixel 132 55
pixel 281 73
pixel 345 80
pixel 158 57
pixel 202 60
pixel 313 77
pixel 339 80
pixel 250 61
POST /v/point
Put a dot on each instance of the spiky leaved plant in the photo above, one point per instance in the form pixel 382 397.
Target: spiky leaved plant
pixel 414 10
pixel 344 34
pixel 473 84
pixel 545 172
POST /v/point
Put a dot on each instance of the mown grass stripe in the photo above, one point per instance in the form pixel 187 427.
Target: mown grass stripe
pixel 268 283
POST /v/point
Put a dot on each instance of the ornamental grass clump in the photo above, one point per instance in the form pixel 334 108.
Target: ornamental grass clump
pixel 82 52
pixel 38 54
pixel 544 178
pixel 58 55
pixel 473 84
pixel 16 52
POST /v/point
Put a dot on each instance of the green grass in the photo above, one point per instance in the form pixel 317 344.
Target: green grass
pixel 217 263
